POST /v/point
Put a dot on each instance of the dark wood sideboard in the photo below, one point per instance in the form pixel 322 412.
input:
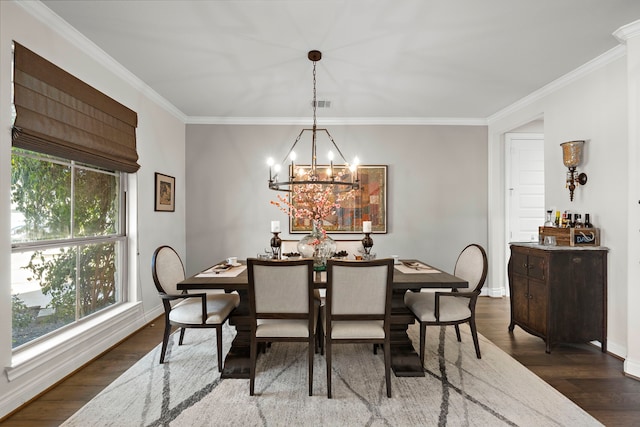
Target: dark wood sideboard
pixel 559 293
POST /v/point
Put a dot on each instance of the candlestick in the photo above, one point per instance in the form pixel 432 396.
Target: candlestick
pixel 276 246
pixel 367 243
pixel 275 226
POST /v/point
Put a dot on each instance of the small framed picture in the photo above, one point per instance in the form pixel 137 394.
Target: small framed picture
pixel 165 193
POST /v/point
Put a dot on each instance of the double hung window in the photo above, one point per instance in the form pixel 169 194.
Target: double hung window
pixel 68 243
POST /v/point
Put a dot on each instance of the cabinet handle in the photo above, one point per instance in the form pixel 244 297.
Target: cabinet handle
pixel 525 265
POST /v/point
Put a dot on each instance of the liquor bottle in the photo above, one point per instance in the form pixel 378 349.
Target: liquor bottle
pixel 548 222
pixel 557 219
pixel 578 221
pixel 563 222
pixel 570 222
pixel 587 221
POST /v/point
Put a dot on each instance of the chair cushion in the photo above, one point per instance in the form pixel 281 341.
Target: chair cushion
pixel 219 306
pixel 422 304
pixel 363 329
pixel 281 328
pixel 352 329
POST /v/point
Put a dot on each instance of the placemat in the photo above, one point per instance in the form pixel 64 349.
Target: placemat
pixel 216 272
pixel 408 267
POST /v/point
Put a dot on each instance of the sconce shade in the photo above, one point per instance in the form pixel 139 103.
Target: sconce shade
pixel 571 153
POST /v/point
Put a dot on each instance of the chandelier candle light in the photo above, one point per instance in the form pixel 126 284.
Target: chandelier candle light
pixel 345 180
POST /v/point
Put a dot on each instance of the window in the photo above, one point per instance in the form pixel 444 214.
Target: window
pixel 68 242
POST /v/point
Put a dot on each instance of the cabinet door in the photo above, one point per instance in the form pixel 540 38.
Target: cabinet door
pixel 538 304
pixel 520 298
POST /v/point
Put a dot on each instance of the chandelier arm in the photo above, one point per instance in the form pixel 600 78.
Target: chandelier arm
pixel 335 145
pixel 293 146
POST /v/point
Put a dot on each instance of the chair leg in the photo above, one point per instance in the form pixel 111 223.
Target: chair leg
pixel 219 340
pixel 375 349
pixel 458 333
pixel 312 345
pixel 474 334
pixel 165 341
pixel 181 335
pixel 387 367
pixel 327 357
pixel 319 333
pixel 423 336
pixel 252 365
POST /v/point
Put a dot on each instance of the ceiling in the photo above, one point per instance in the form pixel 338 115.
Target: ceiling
pixel 381 58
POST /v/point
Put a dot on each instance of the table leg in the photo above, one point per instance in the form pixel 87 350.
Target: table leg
pixel 238 360
pixel 405 362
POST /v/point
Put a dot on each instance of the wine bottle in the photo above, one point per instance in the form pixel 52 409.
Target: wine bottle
pixel 587 221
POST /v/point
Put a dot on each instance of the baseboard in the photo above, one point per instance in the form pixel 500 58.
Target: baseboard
pixel 615 349
pixel 632 368
pixel 30 376
pixel 493 292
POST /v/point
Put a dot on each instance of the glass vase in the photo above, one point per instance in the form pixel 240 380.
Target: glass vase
pixel 317 245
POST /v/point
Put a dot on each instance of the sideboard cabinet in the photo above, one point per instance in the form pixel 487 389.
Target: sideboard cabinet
pixel 559 293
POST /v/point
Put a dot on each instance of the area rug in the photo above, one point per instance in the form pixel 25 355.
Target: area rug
pixel 457 390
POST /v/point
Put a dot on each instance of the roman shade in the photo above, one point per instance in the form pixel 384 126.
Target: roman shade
pixel 60 115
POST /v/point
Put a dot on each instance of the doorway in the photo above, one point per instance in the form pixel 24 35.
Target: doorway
pixel 524 179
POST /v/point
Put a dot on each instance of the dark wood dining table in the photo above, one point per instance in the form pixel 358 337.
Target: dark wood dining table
pixel 404 359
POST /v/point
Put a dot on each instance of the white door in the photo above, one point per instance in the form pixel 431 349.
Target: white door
pixel 525 186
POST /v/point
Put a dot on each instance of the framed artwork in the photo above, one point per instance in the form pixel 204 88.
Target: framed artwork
pixel 165 199
pixel 368 204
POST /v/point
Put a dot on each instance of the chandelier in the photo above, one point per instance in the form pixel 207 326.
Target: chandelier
pixel 342 177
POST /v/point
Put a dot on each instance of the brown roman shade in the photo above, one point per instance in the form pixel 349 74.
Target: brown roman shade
pixel 58 114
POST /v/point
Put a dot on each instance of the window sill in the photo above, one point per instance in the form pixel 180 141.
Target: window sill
pixel 79 344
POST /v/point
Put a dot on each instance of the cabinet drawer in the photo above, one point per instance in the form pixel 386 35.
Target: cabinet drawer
pixel 527 264
pixel 536 267
pixel 519 263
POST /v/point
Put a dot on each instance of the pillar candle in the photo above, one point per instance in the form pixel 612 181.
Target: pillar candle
pixel 366 226
pixel 275 226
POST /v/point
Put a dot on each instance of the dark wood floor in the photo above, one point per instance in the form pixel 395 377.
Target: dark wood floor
pixel 592 380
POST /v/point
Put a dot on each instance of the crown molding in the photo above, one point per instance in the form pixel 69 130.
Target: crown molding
pixel 602 60
pixel 41 12
pixel 337 121
pixel 628 31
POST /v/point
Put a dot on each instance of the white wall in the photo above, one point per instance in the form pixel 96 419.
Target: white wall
pixel 161 148
pixel 630 34
pixel 437 188
pixel 592 107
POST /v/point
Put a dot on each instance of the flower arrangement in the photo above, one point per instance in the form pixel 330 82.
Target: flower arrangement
pixel 314 202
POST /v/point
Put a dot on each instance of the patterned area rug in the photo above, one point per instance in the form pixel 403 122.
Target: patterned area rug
pixel 457 390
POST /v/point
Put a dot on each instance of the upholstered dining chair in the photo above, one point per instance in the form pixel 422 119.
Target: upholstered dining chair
pixel 186 310
pixel 358 308
pixel 282 307
pixel 455 307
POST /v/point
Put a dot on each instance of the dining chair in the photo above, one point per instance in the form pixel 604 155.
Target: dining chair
pixel 282 307
pixel 184 310
pixel 454 307
pixel 358 308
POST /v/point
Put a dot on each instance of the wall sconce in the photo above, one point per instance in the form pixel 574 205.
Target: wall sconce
pixel 571 155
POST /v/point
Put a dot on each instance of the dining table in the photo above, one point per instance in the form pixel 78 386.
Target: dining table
pixel 408 274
